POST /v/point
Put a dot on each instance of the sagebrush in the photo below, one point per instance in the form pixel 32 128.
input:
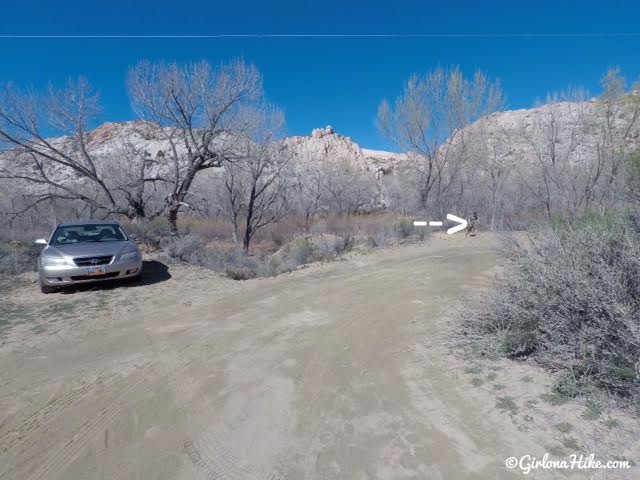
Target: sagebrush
pixel 570 299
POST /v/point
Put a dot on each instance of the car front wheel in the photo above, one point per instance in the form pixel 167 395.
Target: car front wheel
pixel 135 279
pixel 47 289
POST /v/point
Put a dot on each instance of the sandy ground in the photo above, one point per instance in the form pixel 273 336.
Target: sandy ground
pixel 337 371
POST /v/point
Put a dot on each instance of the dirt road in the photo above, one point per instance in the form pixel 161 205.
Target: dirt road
pixel 338 371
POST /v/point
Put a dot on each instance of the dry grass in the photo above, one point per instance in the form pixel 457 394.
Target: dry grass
pixel 290 226
pixel 285 245
pixel 208 241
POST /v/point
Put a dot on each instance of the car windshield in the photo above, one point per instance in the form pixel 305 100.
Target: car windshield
pixel 67 235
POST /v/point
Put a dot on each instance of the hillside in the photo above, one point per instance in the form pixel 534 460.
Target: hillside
pixel 576 128
pixel 572 131
pixel 503 155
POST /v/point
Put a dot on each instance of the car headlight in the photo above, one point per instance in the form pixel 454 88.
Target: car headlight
pixel 55 262
pixel 130 256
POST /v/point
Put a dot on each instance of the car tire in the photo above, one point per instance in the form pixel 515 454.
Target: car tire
pixel 135 280
pixel 47 289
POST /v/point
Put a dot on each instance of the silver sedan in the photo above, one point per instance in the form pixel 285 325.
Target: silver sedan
pixel 89 251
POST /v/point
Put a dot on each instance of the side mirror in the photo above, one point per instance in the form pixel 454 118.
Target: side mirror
pixel 41 241
pixel 133 237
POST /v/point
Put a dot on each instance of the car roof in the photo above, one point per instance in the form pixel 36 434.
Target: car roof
pixel 88 222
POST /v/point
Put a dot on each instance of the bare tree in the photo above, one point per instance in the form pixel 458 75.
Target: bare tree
pixel 138 178
pixel 619 108
pixel 234 188
pixel 488 174
pixel 197 111
pixel 306 188
pixel 62 169
pixel 256 182
pixel 346 189
pixel 427 121
pixel 633 178
pixel 559 176
pixel 580 148
pixel 399 191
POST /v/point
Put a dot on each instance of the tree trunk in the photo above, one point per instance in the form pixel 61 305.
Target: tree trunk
pixel 172 217
pixel 234 232
pixel 136 212
pixel 248 232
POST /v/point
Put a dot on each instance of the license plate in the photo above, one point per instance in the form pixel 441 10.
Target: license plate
pixel 96 271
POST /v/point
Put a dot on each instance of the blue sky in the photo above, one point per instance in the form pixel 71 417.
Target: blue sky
pixel 321 81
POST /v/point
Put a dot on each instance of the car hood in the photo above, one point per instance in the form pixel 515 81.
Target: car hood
pixel 88 249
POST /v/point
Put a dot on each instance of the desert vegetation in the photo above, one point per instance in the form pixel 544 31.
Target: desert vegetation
pixel 518 168
pixel 207 176
pixel 208 144
pixel 570 300
pixel 211 185
pixel 281 247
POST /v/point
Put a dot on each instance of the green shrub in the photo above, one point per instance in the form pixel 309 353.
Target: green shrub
pixel 236 264
pixel 570 299
pixel 308 248
pixel 507 404
pixel 404 228
pixel 381 238
pixel 301 250
pixel 233 262
pixel 240 273
pixel 186 248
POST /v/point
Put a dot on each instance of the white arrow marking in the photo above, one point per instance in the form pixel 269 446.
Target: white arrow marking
pixel 457 228
pixel 462 223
